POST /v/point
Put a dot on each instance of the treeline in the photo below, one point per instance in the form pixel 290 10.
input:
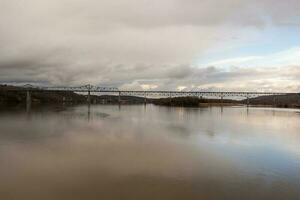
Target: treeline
pixel 190 101
pixel 10 96
pixel 114 99
pixel 177 101
pixel 15 95
pixel 283 101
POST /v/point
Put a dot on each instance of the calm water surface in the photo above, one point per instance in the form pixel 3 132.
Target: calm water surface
pixel 150 152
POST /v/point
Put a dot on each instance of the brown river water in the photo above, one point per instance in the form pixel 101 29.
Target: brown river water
pixel 150 152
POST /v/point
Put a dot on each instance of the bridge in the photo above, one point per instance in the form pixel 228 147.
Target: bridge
pixel 146 93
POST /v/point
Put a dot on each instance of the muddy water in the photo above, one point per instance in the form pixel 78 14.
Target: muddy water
pixel 150 152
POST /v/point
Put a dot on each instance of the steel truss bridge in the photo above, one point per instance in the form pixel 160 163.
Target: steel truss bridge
pixel 88 89
pixel 147 93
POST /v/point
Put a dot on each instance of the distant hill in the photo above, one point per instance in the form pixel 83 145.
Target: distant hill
pixel 9 96
pixel 284 101
pixel 192 102
pixel 114 99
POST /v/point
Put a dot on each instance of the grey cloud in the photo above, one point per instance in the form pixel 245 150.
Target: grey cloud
pixel 130 42
pixel 145 13
pixel 166 77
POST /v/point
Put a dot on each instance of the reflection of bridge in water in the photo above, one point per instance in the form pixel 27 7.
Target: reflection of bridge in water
pixel 147 93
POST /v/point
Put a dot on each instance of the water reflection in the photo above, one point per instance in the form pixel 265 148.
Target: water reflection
pixel 150 152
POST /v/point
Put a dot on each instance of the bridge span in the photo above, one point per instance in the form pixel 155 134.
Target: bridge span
pixel 145 93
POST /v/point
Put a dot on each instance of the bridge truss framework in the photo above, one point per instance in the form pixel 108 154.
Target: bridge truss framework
pixel 147 93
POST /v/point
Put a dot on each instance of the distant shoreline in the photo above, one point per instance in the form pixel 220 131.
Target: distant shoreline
pixel 8 97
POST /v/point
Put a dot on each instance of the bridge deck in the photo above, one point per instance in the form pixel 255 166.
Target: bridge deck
pixel 94 89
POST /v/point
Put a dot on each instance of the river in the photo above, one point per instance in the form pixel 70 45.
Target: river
pixel 149 152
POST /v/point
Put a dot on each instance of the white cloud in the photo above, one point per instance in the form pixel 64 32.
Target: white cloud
pixel 235 61
pixel 287 57
pixel 149 86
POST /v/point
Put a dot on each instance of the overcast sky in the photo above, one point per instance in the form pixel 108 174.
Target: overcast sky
pixel 152 44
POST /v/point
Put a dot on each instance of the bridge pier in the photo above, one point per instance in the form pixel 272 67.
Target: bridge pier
pixel 248 101
pixel 222 97
pixel 89 97
pixel 28 97
pixel 28 100
pixel 145 98
pixel 119 99
pixel 274 101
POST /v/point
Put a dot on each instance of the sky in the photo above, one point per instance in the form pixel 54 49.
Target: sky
pixel 214 45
